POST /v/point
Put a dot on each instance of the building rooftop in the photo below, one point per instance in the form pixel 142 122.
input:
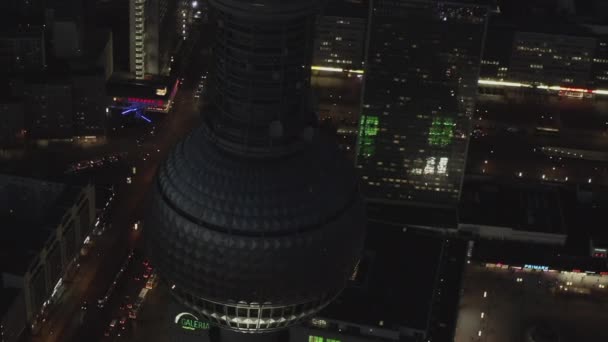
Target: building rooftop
pixel 412 214
pixel 521 206
pixel 587 220
pixel 31 210
pixel 394 283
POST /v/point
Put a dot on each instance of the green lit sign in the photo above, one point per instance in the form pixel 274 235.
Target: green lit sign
pixel 367 135
pixel 441 132
pixel 188 321
pixel 312 338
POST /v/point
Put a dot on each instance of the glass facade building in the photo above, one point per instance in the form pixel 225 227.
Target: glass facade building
pixel 422 67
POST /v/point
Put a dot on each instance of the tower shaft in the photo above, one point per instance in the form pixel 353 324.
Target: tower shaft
pixel 260 77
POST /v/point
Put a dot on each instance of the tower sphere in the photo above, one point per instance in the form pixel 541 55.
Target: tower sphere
pixel 256 221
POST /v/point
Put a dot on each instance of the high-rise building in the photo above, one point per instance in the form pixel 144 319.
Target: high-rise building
pixel 137 19
pixel 256 223
pixel 152 32
pixel 341 36
pixel 419 94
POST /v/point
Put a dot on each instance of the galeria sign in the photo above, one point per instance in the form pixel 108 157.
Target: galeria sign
pixel 188 321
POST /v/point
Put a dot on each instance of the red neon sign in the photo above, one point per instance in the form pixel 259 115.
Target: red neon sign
pixel 146 101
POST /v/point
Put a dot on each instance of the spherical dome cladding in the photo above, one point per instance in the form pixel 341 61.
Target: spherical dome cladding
pixel 254 245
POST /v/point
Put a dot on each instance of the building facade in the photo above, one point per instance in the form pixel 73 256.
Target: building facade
pixel 340 41
pixel 89 103
pixel 552 59
pixel 53 220
pixel 419 94
pixel 59 252
pixel 22 50
pixel 49 109
pixel 152 31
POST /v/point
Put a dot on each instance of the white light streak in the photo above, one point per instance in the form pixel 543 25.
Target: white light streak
pixel 429 169
pixel 442 167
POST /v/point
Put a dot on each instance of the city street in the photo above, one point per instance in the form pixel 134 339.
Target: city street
pixel 108 254
pixel 503 305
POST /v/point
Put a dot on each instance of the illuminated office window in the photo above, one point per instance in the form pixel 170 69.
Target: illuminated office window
pixel 367 135
pixel 441 132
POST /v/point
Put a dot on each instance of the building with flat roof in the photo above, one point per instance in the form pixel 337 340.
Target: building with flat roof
pixel 381 299
pixel 405 288
pixel 513 211
pixel 48 223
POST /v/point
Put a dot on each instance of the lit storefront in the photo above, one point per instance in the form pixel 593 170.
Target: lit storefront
pixel 154 95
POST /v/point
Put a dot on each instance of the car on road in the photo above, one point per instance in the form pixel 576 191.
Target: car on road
pixel 151 281
pixel 110 329
pixel 101 302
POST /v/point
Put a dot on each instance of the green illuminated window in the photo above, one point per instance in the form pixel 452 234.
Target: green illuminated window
pixel 369 125
pixel 332 340
pixel 312 338
pixel 367 135
pixel 441 132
